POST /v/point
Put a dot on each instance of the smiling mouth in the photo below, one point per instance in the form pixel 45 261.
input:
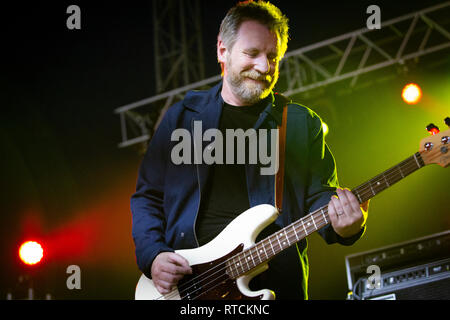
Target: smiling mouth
pixel 263 81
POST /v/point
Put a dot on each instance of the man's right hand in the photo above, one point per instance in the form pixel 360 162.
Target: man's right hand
pixel 167 269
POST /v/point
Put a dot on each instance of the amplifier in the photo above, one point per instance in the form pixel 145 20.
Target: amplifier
pixel 425 282
pixel 416 269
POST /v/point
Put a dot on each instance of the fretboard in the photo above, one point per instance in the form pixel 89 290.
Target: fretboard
pixel 269 247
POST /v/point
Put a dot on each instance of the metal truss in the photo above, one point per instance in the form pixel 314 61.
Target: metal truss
pixel 178 43
pixel 362 51
pixel 347 56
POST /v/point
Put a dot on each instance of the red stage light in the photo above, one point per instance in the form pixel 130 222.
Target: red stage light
pixel 31 252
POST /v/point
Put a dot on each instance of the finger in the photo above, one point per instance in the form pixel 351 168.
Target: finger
pixel 344 203
pixel 179 260
pixel 338 207
pixel 163 286
pixel 354 203
pixel 169 279
pixel 176 269
pixel 332 211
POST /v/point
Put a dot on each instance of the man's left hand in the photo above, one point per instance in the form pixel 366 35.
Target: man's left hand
pixel 347 215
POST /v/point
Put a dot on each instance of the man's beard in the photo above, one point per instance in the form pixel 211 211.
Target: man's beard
pixel 250 92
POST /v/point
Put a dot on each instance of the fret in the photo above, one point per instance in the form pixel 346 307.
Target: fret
pixel 251 256
pixel 236 265
pixel 417 161
pixel 246 261
pixel 295 232
pixel 306 232
pixel 258 251
pixel 239 264
pixel 322 222
pixel 287 237
pixel 270 241
pixel 400 170
pixel 257 255
pixel 385 180
pixel 359 198
pixel 261 257
pixel 374 186
pixel 325 217
pixel 229 267
pixel 318 219
pixel 278 239
pixel 263 252
pixel 373 192
pixel 312 219
pixel 264 248
pixel 233 264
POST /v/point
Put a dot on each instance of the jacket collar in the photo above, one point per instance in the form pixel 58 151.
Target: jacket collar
pixel 200 101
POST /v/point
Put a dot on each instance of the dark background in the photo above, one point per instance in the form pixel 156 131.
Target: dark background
pixel 65 181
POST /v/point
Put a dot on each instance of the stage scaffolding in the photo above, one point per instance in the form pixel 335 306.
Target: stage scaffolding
pixel 343 58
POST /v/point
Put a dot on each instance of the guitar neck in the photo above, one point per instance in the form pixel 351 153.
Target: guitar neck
pixel 269 247
pixel 386 179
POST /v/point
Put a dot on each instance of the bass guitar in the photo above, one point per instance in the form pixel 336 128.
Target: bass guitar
pixel 223 268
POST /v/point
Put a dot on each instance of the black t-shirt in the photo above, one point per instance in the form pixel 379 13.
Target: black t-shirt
pixel 226 194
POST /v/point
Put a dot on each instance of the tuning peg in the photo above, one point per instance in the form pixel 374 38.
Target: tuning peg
pixel 432 129
pixel 447 121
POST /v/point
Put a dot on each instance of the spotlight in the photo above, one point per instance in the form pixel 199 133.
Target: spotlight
pixel 31 252
pixel 411 93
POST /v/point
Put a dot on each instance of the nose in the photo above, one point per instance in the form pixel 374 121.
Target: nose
pixel 262 65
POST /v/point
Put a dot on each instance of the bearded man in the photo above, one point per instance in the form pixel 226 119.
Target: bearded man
pixel 183 206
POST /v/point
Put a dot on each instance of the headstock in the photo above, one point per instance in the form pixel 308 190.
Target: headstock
pixel 436 148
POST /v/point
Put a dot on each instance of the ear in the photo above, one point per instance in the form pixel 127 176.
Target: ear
pixel 221 54
pixel 221 51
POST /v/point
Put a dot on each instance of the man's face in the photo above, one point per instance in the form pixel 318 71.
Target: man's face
pixel 251 67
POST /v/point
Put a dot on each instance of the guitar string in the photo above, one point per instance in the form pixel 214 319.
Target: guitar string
pixel 365 188
pixel 280 232
pixel 243 253
pixel 280 247
pixel 220 278
pixel 214 279
pixel 369 187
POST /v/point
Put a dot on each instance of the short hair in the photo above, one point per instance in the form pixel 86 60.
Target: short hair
pixel 261 11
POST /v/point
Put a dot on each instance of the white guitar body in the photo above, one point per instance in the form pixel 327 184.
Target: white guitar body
pixel 241 231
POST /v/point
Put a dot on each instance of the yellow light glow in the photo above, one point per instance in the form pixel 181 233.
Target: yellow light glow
pixel 31 252
pixel 324 128
pixel 411 93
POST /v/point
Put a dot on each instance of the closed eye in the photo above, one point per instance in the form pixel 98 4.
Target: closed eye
pixel 251 53
pixel 254 53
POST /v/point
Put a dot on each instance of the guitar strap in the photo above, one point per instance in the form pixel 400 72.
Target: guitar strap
pixel 279 176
